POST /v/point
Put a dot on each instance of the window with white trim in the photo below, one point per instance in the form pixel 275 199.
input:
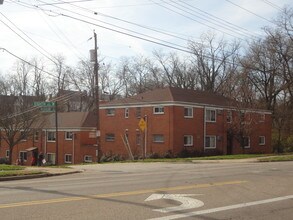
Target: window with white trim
pixel 138 139
pixel 210 115
pixel 158 138
pixel 210 142
pixel 138 112
pixel 110 137
pixel 36 136
pixel 51 136
pixel 158 110
pixel 229 116
pixel 23 155
pixel 262 140
pixel 188 112
pixel 88 159
pixel 67 158
pixel 68 135
pixel 51 158
pixel 126 113
pixel 262 117
pixel 188 140
pixel 23 136
pixel 110 111
pixel 246 142
pixel 7 153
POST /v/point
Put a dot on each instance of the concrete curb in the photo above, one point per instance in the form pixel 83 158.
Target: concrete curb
pixel 33 176
pixel 252 160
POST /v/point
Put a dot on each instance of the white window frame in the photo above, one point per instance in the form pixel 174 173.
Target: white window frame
pixel 138 139
pixel 110 111
pixel 210 137
pixel 54 136
pixel 23 152
pixel 36 136
pixel 7 153
pixel 247 146
pixel 189 111
pixel 158 110
pixel 126 113
pixel 208 115
pixel 229 116
pixel 158 138
pixel 189 140
pixel 70 137
pixel 110 137
pixel 69 157
pixel 262 140
pixel 88 158
pixel 262 117
pixel 25 138
pixel 52 159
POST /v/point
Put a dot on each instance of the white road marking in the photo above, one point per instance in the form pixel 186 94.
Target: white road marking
pixel 224 208
pixel 187 203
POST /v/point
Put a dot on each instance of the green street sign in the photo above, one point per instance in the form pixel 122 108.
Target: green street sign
pixel 44 104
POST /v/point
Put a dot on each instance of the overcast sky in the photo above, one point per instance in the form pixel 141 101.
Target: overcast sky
pixel 44 28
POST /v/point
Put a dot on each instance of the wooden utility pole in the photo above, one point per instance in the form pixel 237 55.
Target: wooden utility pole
pixel 56 124
pixel 97 99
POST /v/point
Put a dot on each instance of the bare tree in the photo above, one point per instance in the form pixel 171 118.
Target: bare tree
pixel 177 72
pixel 213 61
pixel 15 121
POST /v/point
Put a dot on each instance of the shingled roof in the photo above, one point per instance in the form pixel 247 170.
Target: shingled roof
pixel 71 120
pixel 178 95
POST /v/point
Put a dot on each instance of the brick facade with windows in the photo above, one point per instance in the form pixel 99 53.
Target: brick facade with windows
pixel 76 140
pixel 180 119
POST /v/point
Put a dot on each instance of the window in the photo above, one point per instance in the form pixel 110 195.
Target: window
pixel 210 142
pixel 7 153
pixel 246 142
pixel 188 140
pixel 159 110
pixel 158 138
pixel 51 136
pixel 138 139
pixel 36 136
pixel 188 112
pixel 110 137
pixel 110 111
pixel 210 115
pixel 262 140
pixel 88 159
pixel 23 136
pixel 229 116
pixel 23 155
pixel 68 135
pixel 68 158
pixel 262 117
pixel 51 158
pixel 138 112
pixel 126 112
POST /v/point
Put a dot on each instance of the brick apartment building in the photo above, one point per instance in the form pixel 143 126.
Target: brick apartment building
pixel 76 140
pixel 178 120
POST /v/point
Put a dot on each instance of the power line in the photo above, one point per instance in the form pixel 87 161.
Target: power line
pixel 191 18
pixel 249 11
pixel 218 19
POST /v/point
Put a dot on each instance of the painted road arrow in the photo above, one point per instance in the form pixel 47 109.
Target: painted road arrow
pixel 187 203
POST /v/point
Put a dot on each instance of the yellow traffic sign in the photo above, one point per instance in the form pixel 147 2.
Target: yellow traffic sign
pixel 142 124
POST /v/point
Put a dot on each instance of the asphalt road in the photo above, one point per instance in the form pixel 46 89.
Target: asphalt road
pixel 155 191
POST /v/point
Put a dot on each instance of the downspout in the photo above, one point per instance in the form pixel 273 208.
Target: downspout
pixel 73 148
pixel 45 147
pixel 145 135
pixel 204 129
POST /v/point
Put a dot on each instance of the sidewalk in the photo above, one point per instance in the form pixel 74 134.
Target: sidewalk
pixel 47 171
pixel 246 160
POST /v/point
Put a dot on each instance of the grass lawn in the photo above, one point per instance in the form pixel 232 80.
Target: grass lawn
pixel 277 158
pixel 12 170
